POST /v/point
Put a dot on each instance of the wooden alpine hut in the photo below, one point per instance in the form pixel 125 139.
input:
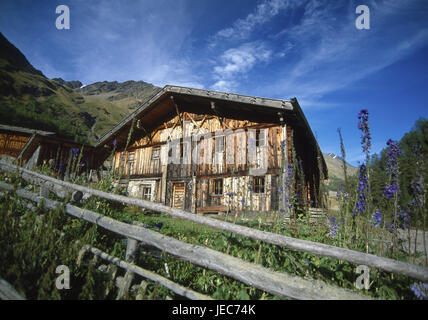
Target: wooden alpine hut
pixel 207 151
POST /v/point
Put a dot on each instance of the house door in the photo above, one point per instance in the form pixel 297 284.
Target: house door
pixel 178 195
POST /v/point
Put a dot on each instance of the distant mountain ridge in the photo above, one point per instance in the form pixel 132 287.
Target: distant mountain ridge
pixel 335 166
pixel 84 113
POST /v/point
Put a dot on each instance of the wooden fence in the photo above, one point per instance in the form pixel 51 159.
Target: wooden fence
pixel 276 283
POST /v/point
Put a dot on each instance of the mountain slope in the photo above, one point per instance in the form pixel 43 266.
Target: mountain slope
pixel 336 176
pixel 29 99
pixel 335 166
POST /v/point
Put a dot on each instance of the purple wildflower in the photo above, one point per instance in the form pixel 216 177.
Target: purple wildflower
pixel 391 190
pixel 333 227
pixel 158 225
pixel 283 144
pixel 114 143
pixel 74 151
pixel 392 157
pixel 393 154
pixel 390 226
pixel 420 290
pixel 377 218
pixel 363 125
pixel 242 201
pixel 229 194
pixel 360 205
pixel 404 218
pixel 338 196
pixel 290 171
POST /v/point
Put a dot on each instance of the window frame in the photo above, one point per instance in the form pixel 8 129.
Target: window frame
pixel 143 188
pixel 259 188
pixel 214 187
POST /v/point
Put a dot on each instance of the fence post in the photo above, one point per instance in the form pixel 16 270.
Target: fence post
pixel 130 256
pixel 44 192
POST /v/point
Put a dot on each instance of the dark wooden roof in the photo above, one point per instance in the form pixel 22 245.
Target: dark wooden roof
pixel 24 131
pixel 160 107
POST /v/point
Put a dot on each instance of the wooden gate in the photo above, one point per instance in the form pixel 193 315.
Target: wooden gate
pixel 178 191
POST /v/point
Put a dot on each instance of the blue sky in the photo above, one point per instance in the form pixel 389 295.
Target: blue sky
pixel 270 48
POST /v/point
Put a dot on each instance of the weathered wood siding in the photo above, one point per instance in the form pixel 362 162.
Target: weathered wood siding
pixel 194 150
pixel 234 159
pixel 12 144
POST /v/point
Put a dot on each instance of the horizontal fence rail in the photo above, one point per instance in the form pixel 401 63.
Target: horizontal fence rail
pixel 65 188
pixel 180 290
pixel 7 292
pixel 276 283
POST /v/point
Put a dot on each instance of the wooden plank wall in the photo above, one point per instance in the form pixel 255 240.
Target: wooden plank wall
pixel 12 144
pixel 232 165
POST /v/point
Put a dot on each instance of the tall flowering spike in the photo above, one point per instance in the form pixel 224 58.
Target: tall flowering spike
pixel 363 125
pixel 114 143
pixel 377 218
pixel 392 155
pixel 360 206
pixel 289 171
pixel 404 218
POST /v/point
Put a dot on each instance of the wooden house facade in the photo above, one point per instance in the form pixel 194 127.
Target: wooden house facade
pixel 13 139
pixel 201 150
pixel 32 148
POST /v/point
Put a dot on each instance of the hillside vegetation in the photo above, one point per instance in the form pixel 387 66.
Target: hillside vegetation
pixel 29 99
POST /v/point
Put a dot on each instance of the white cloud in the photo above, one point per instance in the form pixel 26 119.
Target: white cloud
pixel 242 28
pixel 149 41
pixel 236 62
pixel 333 54
pixel 223 85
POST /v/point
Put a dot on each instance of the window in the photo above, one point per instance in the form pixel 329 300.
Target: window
pixel 131 158
pixel 183 149
pixel 217 187
pixel 156 153
pixel 146 192
pixel 219 144
pixel 156 159
pixel 259 184
pixel 260 138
